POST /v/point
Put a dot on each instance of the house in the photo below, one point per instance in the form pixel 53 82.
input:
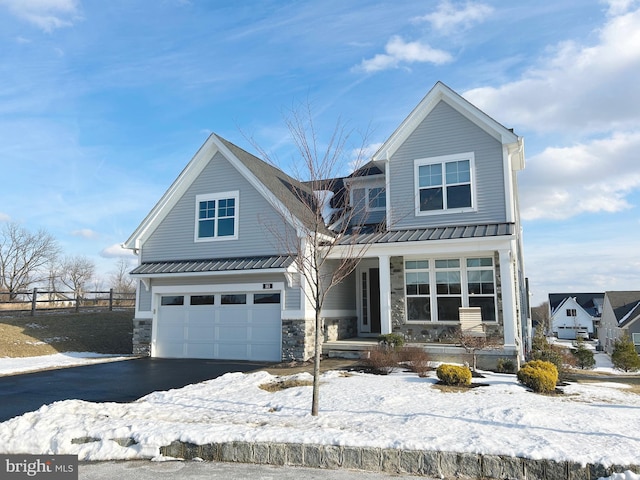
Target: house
pixel 436 209
pixel 620 317
pixel 574 315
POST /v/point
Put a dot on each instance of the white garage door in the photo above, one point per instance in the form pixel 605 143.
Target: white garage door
pixel 239 326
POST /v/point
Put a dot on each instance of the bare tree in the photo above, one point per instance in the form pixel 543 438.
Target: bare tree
pixel 326 250
pixel 75 273
pixel 540 317
pixel 120 280
pixel 24 257
pixel 473 342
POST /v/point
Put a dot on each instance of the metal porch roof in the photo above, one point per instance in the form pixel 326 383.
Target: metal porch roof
pixel 213 265
pixel 432 233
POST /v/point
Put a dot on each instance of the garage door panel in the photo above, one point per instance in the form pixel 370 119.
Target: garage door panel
pixel 212 330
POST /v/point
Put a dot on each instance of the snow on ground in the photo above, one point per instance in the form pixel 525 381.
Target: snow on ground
pixel 10 366
pixel 590 423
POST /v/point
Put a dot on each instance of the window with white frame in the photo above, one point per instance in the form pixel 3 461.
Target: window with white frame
pixel 448 289
pixel 481 286
pixel 369 198
pixel 418 290
pixel 636 341
pixel 444 184
pixel 217 216
pixel 435 289
pixel 376 198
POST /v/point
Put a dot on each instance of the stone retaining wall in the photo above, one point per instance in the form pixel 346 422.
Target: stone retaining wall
pixel 447 465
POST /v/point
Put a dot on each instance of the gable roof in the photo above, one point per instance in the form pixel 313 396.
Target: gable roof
pixel 293 199
pixel 589 302
pixel 625 305
pixel 441 92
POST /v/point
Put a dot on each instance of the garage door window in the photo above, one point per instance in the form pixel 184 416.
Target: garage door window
pixel 261 298
pixel 202 300
pixel 237 299
pixel 172 300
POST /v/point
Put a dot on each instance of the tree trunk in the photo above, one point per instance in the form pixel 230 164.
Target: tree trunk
pixel 316 365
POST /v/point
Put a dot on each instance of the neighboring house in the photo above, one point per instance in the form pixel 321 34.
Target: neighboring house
pixel 620 316
pixel 437 210
pixel 574 315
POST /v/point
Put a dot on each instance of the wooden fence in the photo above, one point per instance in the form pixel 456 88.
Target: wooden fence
pixel 37 299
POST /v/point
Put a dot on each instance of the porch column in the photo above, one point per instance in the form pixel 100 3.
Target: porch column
pixel 385 294
pixel 509 311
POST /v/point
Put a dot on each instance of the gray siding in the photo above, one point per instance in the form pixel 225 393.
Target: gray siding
pixel 174 237
pixel 291 295
pixel 342 296
pixel 444 132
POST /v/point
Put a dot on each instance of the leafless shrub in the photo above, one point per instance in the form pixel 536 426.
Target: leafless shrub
pixel 416 359
pixel 381 360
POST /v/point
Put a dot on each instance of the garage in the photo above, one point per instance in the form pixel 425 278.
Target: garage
pixel 230 326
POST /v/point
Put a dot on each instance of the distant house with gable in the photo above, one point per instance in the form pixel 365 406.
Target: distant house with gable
pixel 620 316
pixel 575 315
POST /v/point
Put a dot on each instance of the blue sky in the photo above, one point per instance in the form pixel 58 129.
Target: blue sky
pixel 103 103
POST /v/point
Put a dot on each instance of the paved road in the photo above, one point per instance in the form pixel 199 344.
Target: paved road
pixel 145 470
pixel 122 381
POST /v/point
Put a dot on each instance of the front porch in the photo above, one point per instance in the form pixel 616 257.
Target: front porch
pixel 357 347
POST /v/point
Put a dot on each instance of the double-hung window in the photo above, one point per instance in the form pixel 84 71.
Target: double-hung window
pixel 377 199
pixel 435 289
pixel 481 286
pixel 444 184
pixel 418 290
pixel 217 216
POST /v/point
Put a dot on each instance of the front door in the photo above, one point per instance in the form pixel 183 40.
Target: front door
pixel 370 300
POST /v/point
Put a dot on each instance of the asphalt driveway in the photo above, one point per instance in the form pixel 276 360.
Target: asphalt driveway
pixel 122 381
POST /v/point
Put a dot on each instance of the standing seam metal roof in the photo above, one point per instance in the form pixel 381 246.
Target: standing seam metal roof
pixel 214 265
pixel 431 233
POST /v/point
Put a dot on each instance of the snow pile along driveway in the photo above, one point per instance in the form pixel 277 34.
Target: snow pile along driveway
pixel 593 423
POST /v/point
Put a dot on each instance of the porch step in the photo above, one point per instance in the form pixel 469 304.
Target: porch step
pixel 349 348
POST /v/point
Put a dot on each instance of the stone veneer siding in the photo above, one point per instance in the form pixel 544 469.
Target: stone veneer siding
pixel 432 332
pixel 340 328
pixel 142 336
pixel 297 339
pixel 393 461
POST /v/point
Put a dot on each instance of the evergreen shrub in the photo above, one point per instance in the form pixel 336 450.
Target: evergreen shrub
pixel 454 375
pixel 539 375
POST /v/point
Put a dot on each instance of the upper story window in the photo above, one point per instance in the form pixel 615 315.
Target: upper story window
pixel 571 312
pixel 217 216
pixel 444 184
pixel 377 198
pixel 371 198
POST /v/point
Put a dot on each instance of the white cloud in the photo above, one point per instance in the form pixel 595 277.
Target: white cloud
pixel 578 88
pixel 45 14
pixel 85 233
pixel 116 251
pixel 399 52
pixel 448 18
pixel 618 7
pixel 4 217
pixel 595 176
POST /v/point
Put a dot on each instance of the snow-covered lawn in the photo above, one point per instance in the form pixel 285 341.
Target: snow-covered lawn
pixel 590 423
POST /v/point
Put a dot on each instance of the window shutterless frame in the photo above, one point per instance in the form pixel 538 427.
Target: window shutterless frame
pixel 216 216
pixel 445 184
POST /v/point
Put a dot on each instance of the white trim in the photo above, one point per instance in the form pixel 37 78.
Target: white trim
pixel 217 288
pixel 441 92
pixel 385 294
pixel 205 197
pixel 433 247
pixel 443 160
pixel 143 276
